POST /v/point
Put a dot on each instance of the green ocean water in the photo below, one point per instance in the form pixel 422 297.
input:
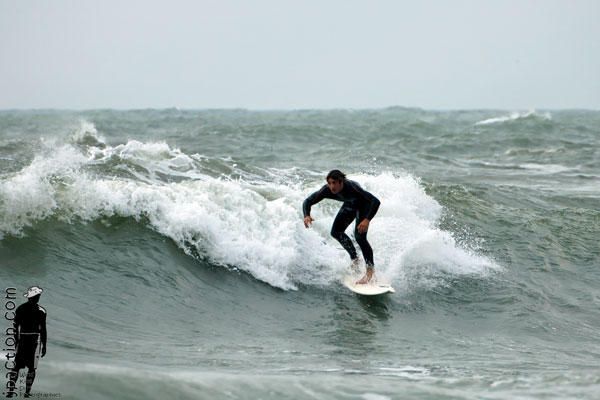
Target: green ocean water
pixel 175 264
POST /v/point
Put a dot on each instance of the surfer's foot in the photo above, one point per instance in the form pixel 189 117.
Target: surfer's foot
pixel 367 277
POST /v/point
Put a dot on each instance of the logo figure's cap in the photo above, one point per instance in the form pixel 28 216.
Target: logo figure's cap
pixel 33 291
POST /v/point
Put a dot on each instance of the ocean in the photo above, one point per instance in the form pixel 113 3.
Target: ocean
pixel 175 264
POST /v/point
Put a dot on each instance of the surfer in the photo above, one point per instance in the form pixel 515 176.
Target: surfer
pixel 358 205
pixel 30 332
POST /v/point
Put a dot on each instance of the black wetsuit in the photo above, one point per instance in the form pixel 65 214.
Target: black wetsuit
pixel 30 325
pixel 358 205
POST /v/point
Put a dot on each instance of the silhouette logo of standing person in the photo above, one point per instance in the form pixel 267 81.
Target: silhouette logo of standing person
pixel 30 338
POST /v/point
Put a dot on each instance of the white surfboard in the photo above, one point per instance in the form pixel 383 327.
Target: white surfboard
pixel 372 288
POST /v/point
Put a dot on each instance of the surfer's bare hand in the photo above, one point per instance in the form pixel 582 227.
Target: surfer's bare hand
pixel 308 221
pixel 363 226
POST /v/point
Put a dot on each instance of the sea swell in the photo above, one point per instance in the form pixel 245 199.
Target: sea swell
pixel 174 261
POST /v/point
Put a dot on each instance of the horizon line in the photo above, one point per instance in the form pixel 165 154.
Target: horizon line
pixel 300 109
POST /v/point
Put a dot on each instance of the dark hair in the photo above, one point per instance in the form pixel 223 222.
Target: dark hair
pixel 336 175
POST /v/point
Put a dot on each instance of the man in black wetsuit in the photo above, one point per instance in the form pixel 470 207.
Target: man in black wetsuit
pixel 30 331
pixel 359 205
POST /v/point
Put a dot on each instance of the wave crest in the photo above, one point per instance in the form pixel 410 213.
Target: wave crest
pixel 252 223
pixel 515 116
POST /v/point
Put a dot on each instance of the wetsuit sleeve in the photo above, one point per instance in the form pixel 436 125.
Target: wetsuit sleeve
pixel 367 198
pixel 313 199
pixel 43 333
pixel 17 322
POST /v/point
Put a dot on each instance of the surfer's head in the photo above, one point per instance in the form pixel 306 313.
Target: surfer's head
pixel 335 181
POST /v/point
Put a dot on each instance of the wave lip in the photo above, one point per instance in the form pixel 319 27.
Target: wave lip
pixel 34 193
pixel 88 135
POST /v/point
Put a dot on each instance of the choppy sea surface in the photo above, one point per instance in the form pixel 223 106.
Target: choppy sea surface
pixel 175 264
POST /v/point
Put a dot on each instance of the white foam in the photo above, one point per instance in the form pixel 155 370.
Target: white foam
pixel 545 168
pixel 87 134
pixel 534 151
pixel 255 226
pixel 375 396
pixel 530 168
pixel 406 237
pixel 31 194
pixel 515 116
pixel 153 158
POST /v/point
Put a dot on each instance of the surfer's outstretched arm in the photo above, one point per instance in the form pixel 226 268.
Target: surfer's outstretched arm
pixel 314 199
pixel 310 201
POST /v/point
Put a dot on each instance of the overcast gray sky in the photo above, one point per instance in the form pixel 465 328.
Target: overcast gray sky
pixel 300 54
